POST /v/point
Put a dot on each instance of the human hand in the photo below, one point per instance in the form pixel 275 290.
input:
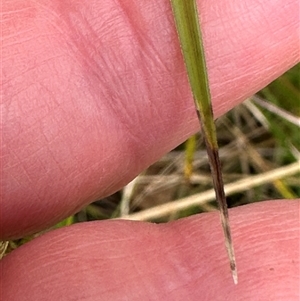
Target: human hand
pixel 83 84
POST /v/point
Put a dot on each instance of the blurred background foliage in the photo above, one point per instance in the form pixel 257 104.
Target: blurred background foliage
pixel 256 138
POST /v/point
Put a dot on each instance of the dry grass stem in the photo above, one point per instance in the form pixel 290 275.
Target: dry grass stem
pixel 209 195
pixel 276 110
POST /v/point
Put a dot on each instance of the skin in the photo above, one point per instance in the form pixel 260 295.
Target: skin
pixel 95 92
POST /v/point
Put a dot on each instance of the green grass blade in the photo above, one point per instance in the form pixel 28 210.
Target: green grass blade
pixel 188 29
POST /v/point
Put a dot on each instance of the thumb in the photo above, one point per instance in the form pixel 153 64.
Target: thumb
pixel 182 260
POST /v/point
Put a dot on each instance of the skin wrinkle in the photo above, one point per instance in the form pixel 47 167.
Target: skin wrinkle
pixel 24 179
pixel 15 18
pixel 31 64
pixel 84 46
pixel 22 38
pixel 256 285
pixel 150 53
pixel 127 114
pixel 199 272
pixel 89 55
pixel 182 272
pixel 137 114
pixel 120 282
pixel 193 246
pixel 128 117
pixel 139 275
pixel 181 251
pixel 28 159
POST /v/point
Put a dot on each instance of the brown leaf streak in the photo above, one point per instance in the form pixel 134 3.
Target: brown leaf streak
pixel 215 166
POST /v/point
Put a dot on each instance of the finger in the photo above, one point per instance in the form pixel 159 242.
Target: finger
pixel 183 260
pixel 95 93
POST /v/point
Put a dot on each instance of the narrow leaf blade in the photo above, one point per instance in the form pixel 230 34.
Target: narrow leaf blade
pixel 187 24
